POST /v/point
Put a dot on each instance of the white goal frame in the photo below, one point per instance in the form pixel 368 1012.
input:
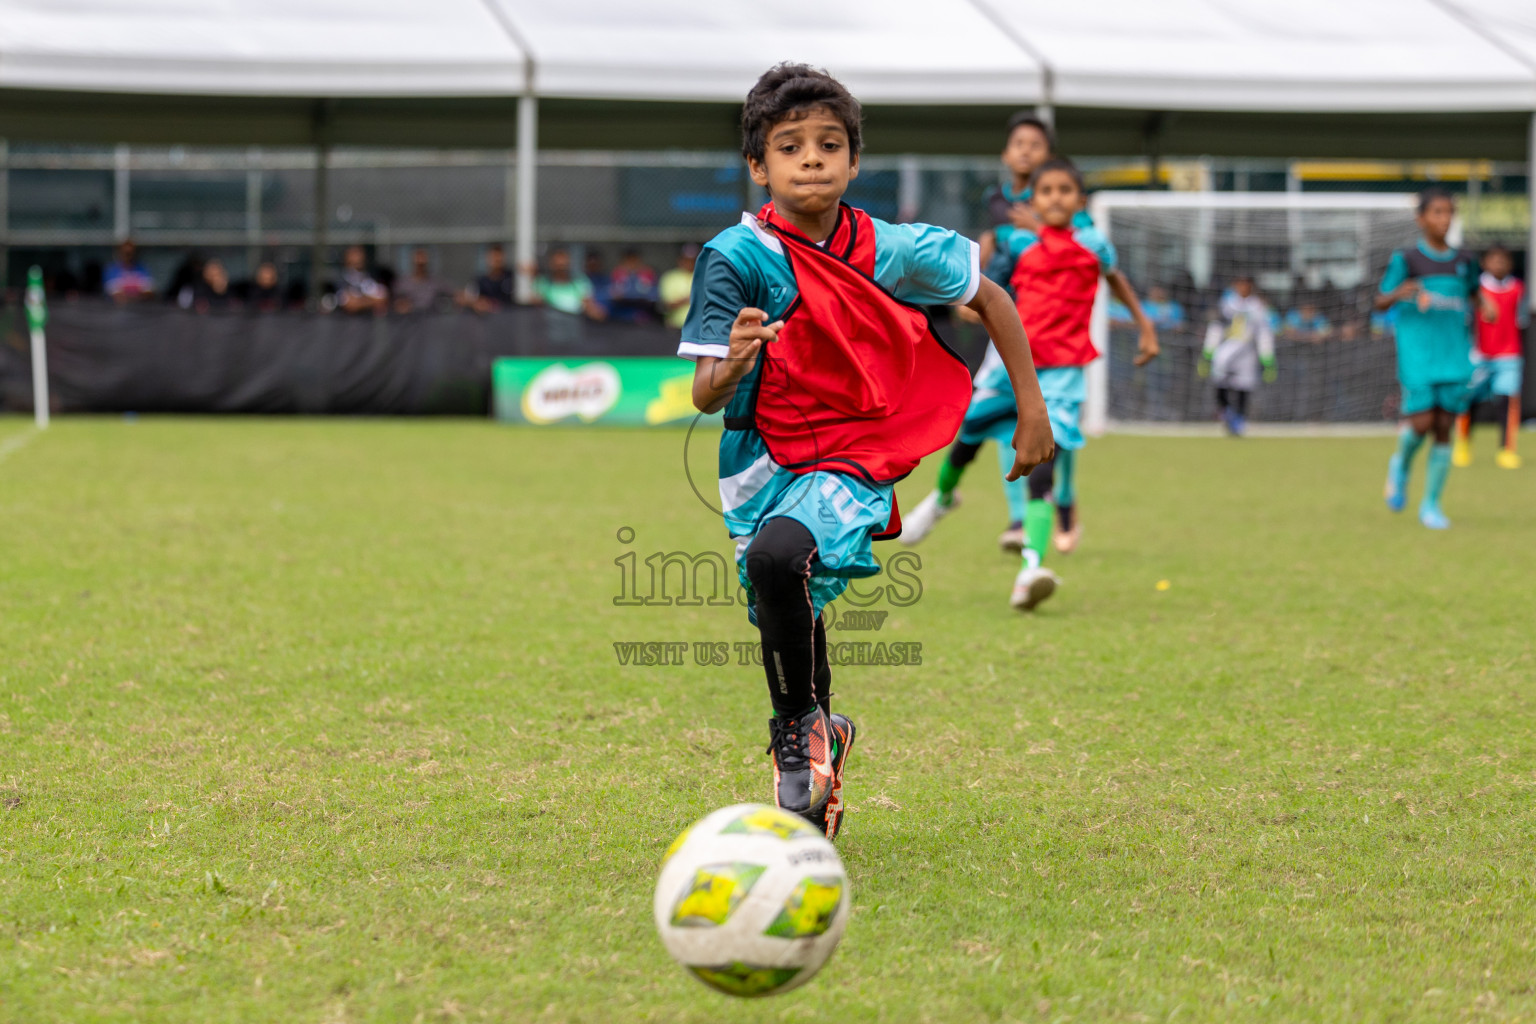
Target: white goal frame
pixel 1102 207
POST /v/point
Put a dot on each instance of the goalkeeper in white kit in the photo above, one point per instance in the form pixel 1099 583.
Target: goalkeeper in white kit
pixel 1239 348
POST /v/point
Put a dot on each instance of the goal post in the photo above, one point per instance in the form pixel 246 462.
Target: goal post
pixel 1315 259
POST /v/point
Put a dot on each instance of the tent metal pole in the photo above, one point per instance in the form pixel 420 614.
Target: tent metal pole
pixel 1154 142
pixel 252 209
pixel 527 192
pixel 318 241
pixel 1530 195
pixel 122 221
pixel 5 212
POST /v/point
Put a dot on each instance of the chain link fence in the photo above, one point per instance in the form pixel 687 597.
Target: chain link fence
pixel 66 207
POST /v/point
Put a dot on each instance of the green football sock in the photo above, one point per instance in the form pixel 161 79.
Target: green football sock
pixel 1037 530
pixel 949 479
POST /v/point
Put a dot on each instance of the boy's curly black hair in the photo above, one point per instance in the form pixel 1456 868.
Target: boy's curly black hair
pixel 788 92
pixel 1026 119
pixel 1065 166
pixel 1432 194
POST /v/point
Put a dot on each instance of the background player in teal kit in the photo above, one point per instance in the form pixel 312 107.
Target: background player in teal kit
pixel 802 529
pixel 1429 288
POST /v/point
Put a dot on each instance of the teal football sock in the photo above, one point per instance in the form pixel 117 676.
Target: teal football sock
pixel 1066 478
pixel 1014 491
pixel 1437 468
pixel 1408 444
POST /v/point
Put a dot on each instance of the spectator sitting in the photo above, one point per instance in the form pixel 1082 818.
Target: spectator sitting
pixel 632 292
pixel 183 287
pixel 1119 315
pixel 420 290
pixel 494 289
pixel 601 293
pixel 565 292
pixel 1162 310
pixel 1305 323
pixel 676 286
pixel 263 294
pixel 359 292
pixel 211 291
pixel 127 280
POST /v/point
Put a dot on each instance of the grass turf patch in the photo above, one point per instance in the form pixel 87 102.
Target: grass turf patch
pixel 323 720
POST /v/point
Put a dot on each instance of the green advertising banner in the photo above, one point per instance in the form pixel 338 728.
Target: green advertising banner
pixel 621 391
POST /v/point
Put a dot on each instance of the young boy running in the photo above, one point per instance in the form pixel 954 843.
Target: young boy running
pixel 1428 288
pixel 1500 366
pixel 1029 143
pixel 805 328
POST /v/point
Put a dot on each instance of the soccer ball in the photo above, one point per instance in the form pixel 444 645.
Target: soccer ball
pixel 752 900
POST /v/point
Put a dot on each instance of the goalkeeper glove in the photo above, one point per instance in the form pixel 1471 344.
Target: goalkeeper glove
pixel 1203 368
pixel 1270 373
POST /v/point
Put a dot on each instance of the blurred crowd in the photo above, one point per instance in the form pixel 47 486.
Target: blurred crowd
pixel 631 292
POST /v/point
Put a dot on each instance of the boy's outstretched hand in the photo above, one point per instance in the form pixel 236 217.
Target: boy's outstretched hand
pixel 715 378
pixel 1147 347
pixel 1032 442
pixel 747 336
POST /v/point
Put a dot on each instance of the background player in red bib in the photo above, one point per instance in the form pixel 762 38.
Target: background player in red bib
pixel 1054 273
pixel 1499 355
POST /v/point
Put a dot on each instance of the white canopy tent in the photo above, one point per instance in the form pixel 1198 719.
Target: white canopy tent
pixel 293 62
pixel 274 48
pixel 1383 55
pixel 1241 55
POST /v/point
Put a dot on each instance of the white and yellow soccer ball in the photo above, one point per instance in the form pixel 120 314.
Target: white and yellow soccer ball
pixel 752 900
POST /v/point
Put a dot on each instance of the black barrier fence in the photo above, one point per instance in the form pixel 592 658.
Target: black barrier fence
pixel 106 358
pixel 152 358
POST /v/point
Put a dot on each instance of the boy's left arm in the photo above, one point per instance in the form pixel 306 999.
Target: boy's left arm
pixel 1147 347
pixel 1032 440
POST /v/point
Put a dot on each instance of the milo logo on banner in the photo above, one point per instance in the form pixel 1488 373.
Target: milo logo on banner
pixel 619 392
pixel 556 393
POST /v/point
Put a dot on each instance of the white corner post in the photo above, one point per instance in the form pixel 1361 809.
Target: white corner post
pixel 37 316
pixel 40 397
pixel 1096 406
pixel 527 192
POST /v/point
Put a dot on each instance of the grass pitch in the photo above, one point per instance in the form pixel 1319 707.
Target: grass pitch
pixel 323 721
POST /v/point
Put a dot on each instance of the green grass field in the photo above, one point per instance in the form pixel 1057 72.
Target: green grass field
pixel 322 721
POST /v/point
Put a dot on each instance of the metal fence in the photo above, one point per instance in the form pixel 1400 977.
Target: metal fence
pixel 65 207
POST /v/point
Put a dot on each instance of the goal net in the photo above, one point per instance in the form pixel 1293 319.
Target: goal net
pixel 1314 259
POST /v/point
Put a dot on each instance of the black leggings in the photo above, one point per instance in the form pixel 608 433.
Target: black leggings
pixel 1233 396
pixel 962 453
pixel 779 562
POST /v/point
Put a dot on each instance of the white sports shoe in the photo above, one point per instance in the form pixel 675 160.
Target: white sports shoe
pixel 1011 540
pixel 919 523
pixel 1031 586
